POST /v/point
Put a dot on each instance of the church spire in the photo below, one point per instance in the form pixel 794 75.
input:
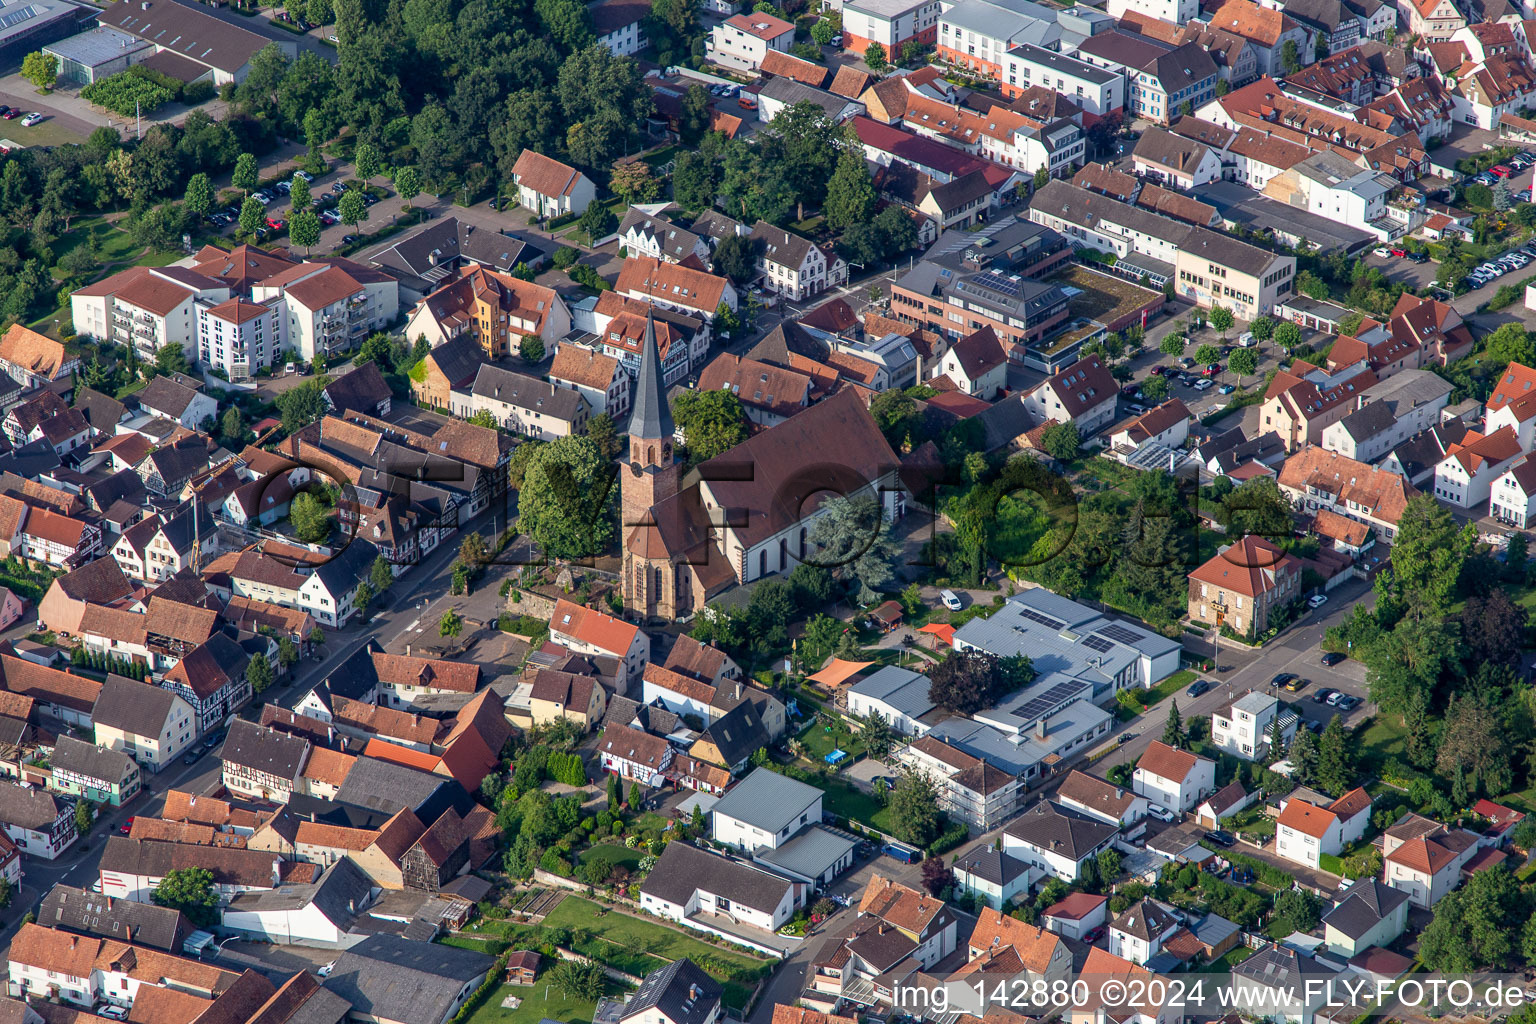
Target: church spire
pixel 651 418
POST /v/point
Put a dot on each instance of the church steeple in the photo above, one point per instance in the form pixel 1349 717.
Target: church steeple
pixel 652 475
pixel 651 418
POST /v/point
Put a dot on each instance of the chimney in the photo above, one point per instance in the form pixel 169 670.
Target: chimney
pixel 277 870
pixel 407 650
pixel 1041 729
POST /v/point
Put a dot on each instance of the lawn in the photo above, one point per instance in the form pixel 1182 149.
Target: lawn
pixel 1382 739
pixel 1167 688
pixel 821 738
pixel 847 802
pixel 1228 960
pixel 634 945
pixel 622 856
pixel 539 1001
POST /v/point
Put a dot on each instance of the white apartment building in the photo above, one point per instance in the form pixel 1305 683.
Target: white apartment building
pixel 1465 477
pixel 891 23
pixel 1098 91
pixel 1512 499
pixel 1244 726
pixel 1176 12
pixel 792 266
pixel 238 337
pixel 326 309
pixel 146 307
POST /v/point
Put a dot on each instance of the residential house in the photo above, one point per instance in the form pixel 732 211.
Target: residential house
pixel 1398 407
pixel 1316 479
pixel 1424 858
pixel 404 981
pixel 1005 946
pixel 1244 586
pixel 211 678
pixel 892 25
pixel 1466 475
pixel 898 695
pixel 1504 84
pixel 1282 976
pixel 1172 778
pixel 72 909
pixel 1512 498
pixel 1057 840
pixel 493 308
pixel 619 25
pixel 563 695
pixel 693 887
pixel 742 41
pixel 1106 801
pixel 1083 394
pixel 769 394
pixel 648 233
pixel 1076 914
pixel 676 993
pixel 632 754
pixel 39 823
pixel 550 188
pixel 598 378
pixel 178 398
pixel 1138 934
pixel 146 307
pixel 997 877
pixel 262 763
pixel 977 364
pixel 587 631
pixel 793 266
pixel 764 810
pixel 524 405
pixel 676 287
pixel 923 919
pixel 1177 82
pixel 85 970
pixel 93 772
pixel 1243 727
pixel 1369 913
pixel 971 789
pixel 1267 31
pixel 1305 832
pixel 34 360
pixel 1163 427
pixel 1301 406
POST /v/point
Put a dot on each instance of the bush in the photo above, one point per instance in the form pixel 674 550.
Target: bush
pixel 951 837
pixel 131 91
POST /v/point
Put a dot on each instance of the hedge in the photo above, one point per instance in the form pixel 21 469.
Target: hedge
pixel 1266 873
pixel 952 837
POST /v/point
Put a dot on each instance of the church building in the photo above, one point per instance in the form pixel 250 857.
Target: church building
pixel 746 513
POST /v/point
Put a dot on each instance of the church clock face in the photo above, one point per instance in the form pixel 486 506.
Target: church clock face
pixel 635 469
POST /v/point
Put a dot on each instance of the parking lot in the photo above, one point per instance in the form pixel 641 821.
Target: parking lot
pixel 325 198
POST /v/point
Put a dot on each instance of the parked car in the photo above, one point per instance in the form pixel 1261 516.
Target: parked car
pixel 113 1012
pixel 1226 389
pixel 325 972
pixel 349 239
pixel 284 187
pixel 276 223
pixel 1321 696
pixel 1317 600
pixel 1335 697
pixel 329 217
pixel 4 110
pixel 1212 370
pixel 1501 170
pixel 1160 812
pixel 1097 932
pixel 1381 251
pixel 12 114
pixel 1297 684
pixel 32 119
pixel 195 754
pixel 1187 363
pixel 1399 251
pixel 951 600
pixel 1418 257
pixel 1203 385
pixel 305 175
pixel 125 828
pixel 1332 658
pixel 1348 703
pixel 1221 837
pixel 1198 687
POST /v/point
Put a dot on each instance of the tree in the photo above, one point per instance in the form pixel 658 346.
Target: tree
pixel 1335 759
pixel 199 195
pixel 1290 58
pixel 1207 354
pixel 615 793
pixel 191 891
pixel 300 406
pixel 41 69
pixel 1172 344
pixel 1262 328
pixel 311 519
pixel 1155 388
pixel 1428 556
pixel 635 797
pixel 304 229
pixel 1475 743
pixel 298 194
pixel 603 433
pixel 253 216
pixel 565 498
pixel 171 359
pixel 1287 335
pixel 852 539
pixel 473 551
pixel 381 575
pixel 914 809
pixel 246 172
pixel 450 625
pixel 287 653
pixel 1173 731
pixel 876 734
pixel 967 681
pixel 259 674
pixel 1476 925
pixel 634 183
pixel 736 258
pixel 367 162
pixel 85 815
pixel 874 56
pixel 851 192
pixel 697 114
pixel 351 208
pixel 407 183
pixel 823 31
pixel 1299 908
pixel 576 979
pixel 711 422
pixel 232 428
pixel 597 221
pixel 937 876
pixel 531 349
pixel 1244 362
pixel 1061 441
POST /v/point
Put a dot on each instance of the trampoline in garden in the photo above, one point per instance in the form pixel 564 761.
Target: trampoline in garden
pixel 835 757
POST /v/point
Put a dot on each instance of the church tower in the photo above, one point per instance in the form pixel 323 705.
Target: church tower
pixel 652 474
pixel 652 586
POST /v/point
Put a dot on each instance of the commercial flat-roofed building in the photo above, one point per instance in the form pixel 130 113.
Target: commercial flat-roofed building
pixel 96 54
pixel 223 50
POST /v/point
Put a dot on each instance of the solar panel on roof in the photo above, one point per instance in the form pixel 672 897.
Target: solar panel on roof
pixel 1042 618
pixel 1115 631
pixel 1047 702
pixel 1094 642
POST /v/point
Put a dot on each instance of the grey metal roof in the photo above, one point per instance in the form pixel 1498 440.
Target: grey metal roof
pixel 810 854
pixel 1061 63
pixel 1369 420
pixel 96 46
pixel 396 979
pixel 987 743
pixel 789 92
pixel 1214 929
pixel 340 895
pixel 767 800
pixel 650 417
pixel 684 869
pixel 899 688
pixel 388 787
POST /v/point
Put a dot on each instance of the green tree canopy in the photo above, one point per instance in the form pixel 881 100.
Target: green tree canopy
pixel 711 422
pixel 191 891
pixel 565 503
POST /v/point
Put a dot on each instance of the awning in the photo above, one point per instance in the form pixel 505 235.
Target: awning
pixel 943 630
pixel 839 671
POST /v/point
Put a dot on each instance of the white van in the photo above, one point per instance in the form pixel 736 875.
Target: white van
pixel 1247 340
pixel 950 600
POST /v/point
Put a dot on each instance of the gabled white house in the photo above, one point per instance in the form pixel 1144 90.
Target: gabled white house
pixel 1173 778
pixel 1305 831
